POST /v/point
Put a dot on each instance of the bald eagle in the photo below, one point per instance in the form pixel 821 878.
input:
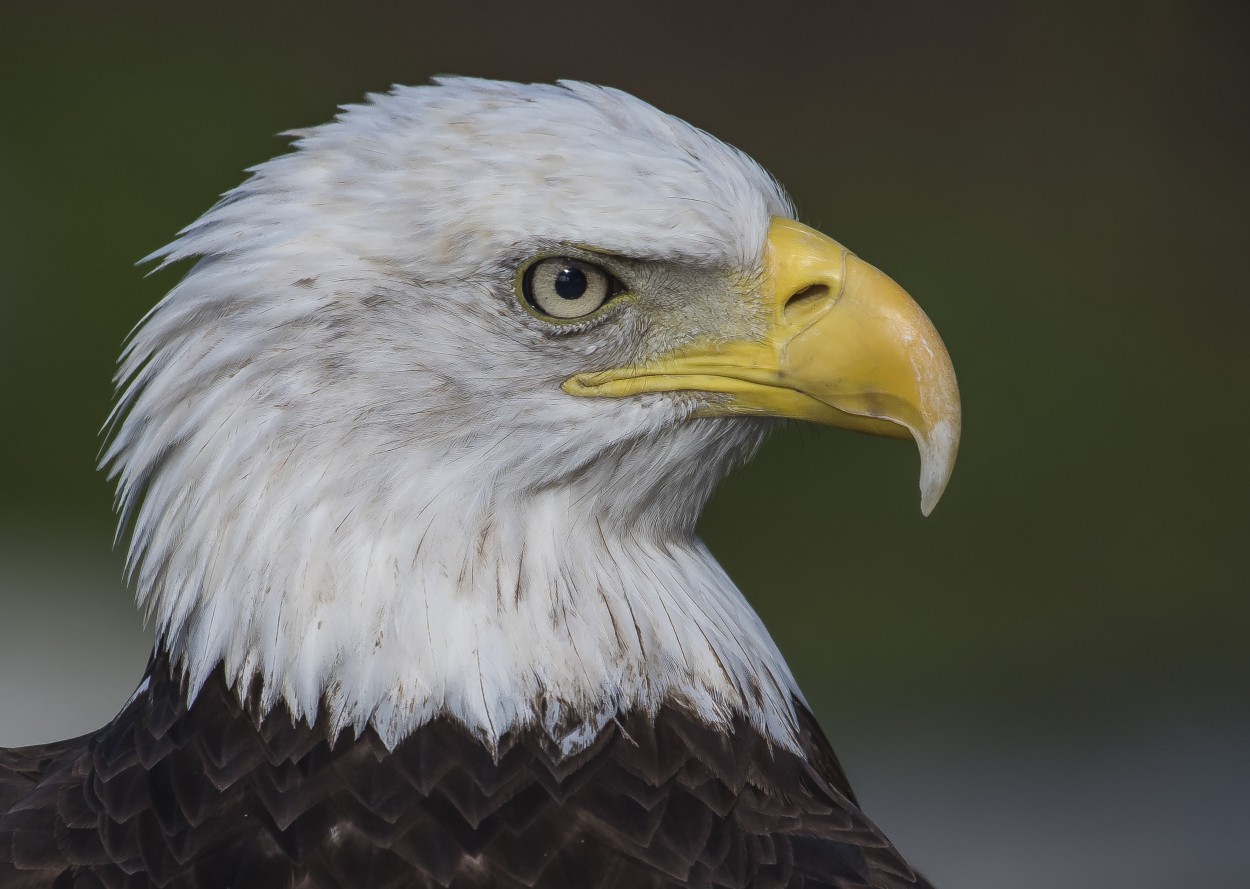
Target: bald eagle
pixel 411 460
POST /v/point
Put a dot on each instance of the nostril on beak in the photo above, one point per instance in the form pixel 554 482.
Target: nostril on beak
pixel 811 297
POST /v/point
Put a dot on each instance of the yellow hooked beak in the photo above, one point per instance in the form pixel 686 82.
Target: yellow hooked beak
pixel 845 346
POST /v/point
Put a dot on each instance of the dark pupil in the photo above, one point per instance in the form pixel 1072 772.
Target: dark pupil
pixel 570 283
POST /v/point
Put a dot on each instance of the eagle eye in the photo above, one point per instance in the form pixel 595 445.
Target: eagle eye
pixel 565 288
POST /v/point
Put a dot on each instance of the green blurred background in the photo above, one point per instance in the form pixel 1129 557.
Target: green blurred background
pixel 1046 683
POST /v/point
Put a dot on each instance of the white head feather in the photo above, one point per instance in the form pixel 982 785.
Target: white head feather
pixel 349 466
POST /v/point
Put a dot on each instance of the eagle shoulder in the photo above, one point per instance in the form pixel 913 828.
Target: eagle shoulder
pixel 208 795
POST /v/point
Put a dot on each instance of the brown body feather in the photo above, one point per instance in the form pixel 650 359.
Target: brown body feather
pixel 207 798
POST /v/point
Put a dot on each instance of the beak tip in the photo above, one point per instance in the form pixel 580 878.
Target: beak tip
pixel 937 461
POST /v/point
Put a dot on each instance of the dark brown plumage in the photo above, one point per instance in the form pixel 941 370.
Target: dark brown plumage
pixel 208 797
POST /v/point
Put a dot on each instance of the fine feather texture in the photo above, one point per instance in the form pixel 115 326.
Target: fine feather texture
pixel 213 796
pixel 346 459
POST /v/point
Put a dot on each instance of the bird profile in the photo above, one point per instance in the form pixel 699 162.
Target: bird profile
pixel 410 462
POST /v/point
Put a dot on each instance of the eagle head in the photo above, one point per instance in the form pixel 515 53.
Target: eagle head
pixel 427 426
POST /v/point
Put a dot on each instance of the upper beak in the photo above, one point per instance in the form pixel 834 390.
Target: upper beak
pixel 844 346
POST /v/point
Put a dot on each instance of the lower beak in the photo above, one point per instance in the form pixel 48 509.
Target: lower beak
pixel 845 346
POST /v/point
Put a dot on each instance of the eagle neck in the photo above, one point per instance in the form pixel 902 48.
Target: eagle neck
pixel 499 613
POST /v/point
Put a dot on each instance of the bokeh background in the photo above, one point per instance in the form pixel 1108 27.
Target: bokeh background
pixel 1046 683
